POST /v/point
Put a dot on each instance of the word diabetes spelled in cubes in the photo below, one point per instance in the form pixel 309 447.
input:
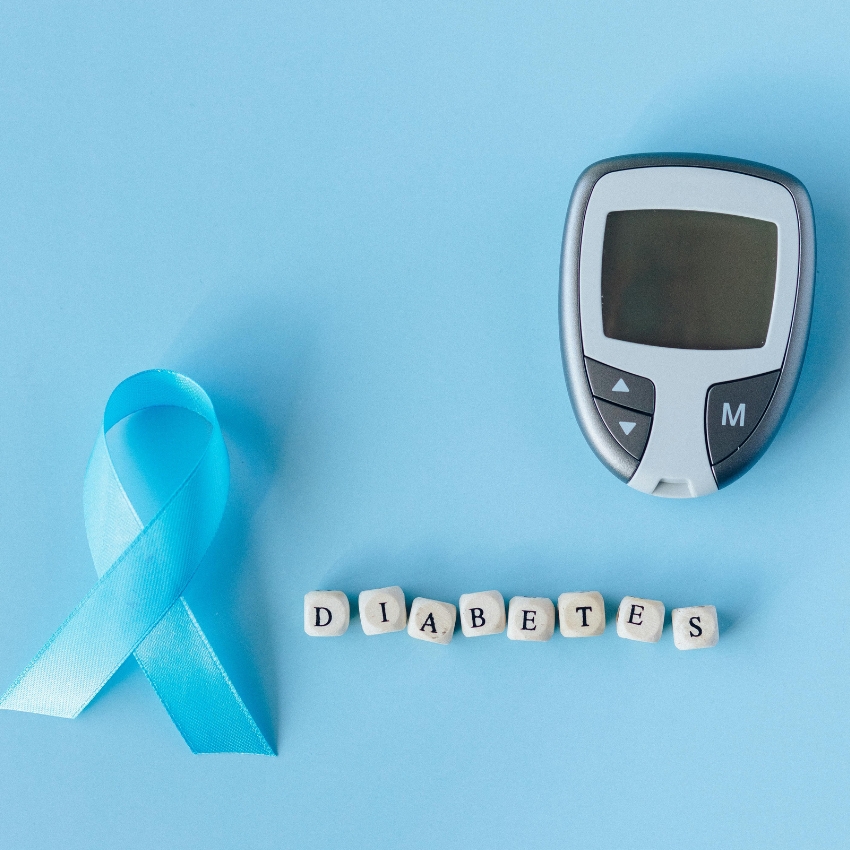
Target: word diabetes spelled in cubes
pixel 581 614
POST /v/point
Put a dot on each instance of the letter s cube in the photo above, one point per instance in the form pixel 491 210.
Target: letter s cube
pixel 695 627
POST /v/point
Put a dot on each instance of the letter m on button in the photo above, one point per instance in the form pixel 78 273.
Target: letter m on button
pixel 739 414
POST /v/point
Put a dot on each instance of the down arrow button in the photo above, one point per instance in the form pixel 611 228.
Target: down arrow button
pixel 628 427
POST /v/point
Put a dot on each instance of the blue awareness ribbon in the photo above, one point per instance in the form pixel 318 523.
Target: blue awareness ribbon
pixel 136 607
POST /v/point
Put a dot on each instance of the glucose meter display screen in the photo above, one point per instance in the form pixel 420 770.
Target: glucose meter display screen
pixel 686 279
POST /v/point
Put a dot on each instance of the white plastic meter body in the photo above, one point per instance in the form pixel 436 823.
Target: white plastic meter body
pixel 686 293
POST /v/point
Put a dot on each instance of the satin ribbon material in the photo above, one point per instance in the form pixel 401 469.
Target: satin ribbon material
pixel 136 607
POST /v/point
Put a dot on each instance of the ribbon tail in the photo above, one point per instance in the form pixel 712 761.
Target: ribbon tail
pixel 195 689
pixel 85 651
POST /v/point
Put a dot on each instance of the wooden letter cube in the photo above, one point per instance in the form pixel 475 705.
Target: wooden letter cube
pixel 482 613
pixel 531 618
pixel 581 614
pixel 640 619
pixel 431 620
pixel 382 610
pixel 695 627
pixel 326 613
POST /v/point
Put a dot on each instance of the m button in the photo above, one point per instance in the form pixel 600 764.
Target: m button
pixel 732 411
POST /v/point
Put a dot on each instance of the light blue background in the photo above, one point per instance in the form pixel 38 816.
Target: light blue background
pixel 344 220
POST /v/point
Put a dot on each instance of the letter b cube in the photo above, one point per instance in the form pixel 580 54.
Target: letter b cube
pixel 482 613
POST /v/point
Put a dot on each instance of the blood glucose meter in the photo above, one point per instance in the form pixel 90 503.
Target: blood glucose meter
pixel 686 294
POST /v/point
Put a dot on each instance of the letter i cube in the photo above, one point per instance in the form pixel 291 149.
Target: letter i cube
pixel 382 610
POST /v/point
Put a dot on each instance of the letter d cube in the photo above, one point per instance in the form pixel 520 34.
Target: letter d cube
pixel 326 613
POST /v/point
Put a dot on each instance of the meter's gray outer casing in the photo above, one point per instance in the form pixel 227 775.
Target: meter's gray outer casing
pixel 622 464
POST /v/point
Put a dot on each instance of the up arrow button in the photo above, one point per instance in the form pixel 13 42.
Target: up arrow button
pixel 619 387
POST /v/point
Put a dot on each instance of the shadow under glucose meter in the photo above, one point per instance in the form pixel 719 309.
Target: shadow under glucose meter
pixel 686 295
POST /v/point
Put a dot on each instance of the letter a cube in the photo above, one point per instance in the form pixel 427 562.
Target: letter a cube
pixel 326 613
pixel 431 620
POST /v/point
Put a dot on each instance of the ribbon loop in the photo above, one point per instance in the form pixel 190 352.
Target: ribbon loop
pixel 136 606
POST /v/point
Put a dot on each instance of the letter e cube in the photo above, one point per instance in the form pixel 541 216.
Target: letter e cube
pixel 640 619
pixel 531 618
